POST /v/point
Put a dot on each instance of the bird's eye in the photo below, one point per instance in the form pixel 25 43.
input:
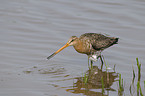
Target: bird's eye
pixel 72 40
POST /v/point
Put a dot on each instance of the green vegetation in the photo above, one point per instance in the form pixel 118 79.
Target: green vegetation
pixel 121 87
pixel 139 91
pixel 144 84
pixel 138 87
pixel 84 78
pixel 135 86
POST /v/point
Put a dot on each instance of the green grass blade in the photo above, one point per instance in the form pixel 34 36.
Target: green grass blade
pixel 138 86
pixel 137 61
pixel 141 92
pixel 119 81
pixel 144 84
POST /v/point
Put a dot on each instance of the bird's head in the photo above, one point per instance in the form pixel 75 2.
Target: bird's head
pixel 72 41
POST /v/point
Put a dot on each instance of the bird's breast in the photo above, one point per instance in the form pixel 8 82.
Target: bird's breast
pixel 83 47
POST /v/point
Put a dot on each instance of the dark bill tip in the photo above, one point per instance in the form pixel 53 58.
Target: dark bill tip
pixel 51 56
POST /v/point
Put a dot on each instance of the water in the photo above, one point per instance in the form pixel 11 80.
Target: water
pixel 31 30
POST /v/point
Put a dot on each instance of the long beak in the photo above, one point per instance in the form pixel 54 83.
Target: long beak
pixel 66 45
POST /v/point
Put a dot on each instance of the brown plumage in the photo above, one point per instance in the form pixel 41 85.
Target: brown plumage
pixel 89 43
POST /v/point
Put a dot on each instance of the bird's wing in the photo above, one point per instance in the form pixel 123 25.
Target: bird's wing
pixel 101 44
pixel 99 41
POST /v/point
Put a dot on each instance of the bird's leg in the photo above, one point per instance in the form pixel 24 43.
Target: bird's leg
pixel 101 60
pixel 90 65
pixel 88 62
pixel 99 56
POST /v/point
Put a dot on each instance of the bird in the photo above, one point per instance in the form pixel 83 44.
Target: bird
pixel 91 44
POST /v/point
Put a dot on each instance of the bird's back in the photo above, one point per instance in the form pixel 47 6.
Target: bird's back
pixel 99 41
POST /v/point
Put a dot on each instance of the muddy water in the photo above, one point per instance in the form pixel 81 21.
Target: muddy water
pixel 33 29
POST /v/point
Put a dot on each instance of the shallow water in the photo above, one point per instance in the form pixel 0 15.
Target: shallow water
pixel 31 30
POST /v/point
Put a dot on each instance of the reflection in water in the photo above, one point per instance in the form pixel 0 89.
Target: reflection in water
pixel 93 87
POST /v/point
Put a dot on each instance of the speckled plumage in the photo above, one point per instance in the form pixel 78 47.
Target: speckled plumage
pixel 93 42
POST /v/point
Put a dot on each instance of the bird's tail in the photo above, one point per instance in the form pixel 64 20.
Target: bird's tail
pixel 116 40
